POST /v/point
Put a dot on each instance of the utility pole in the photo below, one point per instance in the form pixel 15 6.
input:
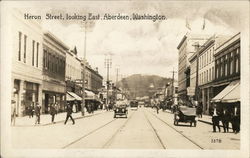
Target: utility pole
pixel 117 75
pixel 83 72
pixel 108 65
pixel 173 82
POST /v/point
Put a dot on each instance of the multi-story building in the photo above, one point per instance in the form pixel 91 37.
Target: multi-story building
pixel 94 79
pixel 26 48
pixel 227 72
pixel 187 47
pixel 206 69
pixel 54 62
pixel 73 72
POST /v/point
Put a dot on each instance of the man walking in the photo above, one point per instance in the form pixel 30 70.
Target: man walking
pixel 69 112
pixel 37 113
pixel 52 112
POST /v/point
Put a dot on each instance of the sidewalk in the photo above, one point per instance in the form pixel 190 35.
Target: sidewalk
pixel 45 119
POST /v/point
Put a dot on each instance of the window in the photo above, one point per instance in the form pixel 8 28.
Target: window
pixel 24 49
pixel 33 52
pixel 222 67
pixel 212 73
pixel 231 63
pixel 207 75
pixel 19 45
pixel 237 65
pixel 37 53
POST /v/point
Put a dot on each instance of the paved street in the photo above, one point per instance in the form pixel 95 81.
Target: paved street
pixel 143 129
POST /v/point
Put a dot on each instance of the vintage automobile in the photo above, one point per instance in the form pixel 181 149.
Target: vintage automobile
pixel 134 105
pixel 120 109
pixel 186 115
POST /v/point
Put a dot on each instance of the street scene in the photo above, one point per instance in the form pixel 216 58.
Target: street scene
pixel 137 76
pixel 142 129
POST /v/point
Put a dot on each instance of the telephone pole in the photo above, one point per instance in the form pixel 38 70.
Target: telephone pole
pixel 173 82
pixel 108 65
pixel 84 67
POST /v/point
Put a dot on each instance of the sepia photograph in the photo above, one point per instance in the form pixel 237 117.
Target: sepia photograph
pixel 125 79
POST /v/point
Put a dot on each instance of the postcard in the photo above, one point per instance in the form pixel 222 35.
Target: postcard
pixel 125 79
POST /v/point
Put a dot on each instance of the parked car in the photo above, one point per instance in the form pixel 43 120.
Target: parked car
pixel 120 109
pixel 185 114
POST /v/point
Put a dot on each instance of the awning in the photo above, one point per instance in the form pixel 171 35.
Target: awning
pixel 226 92
pixel 232 96
pixel 69 97
pixel 72 96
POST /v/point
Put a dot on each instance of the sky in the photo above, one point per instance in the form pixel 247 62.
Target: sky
pixel 141 47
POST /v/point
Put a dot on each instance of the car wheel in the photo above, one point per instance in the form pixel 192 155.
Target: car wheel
pixel 194 124
pixel 190 124
pixel 174 122
pixel 114 116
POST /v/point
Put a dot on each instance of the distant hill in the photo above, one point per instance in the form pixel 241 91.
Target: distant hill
pixel 143 85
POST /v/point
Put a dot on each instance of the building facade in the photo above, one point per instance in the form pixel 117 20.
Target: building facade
pixel 227 64
pixel 186 48
pixel 73 73
pixel 206 69
pixel 26 62
pixel 54 63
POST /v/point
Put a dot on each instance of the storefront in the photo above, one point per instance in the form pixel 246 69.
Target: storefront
pixel 24 94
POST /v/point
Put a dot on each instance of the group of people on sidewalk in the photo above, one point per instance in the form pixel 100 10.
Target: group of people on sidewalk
pixel 226 116
pixel 36 110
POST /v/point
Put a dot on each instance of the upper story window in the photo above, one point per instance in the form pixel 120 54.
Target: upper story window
pixel 37 53
pixel 33 52
pixel 24 48
pixel 19 45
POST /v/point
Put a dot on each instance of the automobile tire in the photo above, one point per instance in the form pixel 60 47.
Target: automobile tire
pixel 175 123
pixel 190 124
pixel 114 116
pixel 194 124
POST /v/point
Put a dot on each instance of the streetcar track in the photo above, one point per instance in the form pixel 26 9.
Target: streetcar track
pixel 109 142
pixel 177 131
pixel 89 133
pixel 95 130
pixel 157 135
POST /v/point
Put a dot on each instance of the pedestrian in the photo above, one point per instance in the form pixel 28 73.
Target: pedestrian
pixel 56 107
pixel 37 113
pixel 32 110
pixel 225 118
pixel 157 107
pixel 13 112
pixel 69 112
pixel 29 109
pixel 215 119
pixel 236 119
pixel 52 112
